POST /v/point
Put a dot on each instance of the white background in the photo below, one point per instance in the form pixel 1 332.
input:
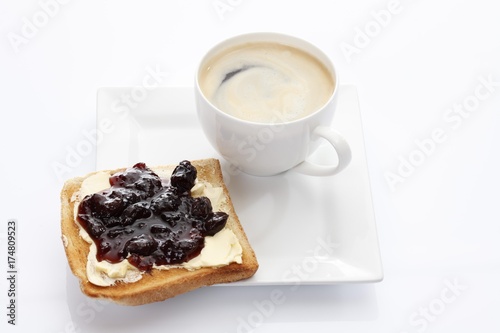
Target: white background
pixel 438 223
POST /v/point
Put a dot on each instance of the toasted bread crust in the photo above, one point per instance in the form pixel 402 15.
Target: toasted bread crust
pixel 157 285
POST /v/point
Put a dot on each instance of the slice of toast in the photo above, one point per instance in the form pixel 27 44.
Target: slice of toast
pixel 156 285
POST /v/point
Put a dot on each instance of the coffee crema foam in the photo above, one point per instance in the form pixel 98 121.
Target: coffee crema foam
pixel 266 82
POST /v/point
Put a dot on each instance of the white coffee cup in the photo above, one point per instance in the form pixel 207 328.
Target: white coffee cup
pixel 265 149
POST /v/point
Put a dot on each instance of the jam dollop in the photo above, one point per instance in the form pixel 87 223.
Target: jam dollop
pixel 148 222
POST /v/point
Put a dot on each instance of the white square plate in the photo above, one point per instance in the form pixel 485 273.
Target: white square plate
pixel 304 230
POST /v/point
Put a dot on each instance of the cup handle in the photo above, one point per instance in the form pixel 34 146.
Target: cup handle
pixel 341 147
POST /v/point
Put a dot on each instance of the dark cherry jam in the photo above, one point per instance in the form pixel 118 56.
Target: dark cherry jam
pixel 146 222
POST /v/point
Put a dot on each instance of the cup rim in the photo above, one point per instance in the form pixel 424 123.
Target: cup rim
pixel 230 41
